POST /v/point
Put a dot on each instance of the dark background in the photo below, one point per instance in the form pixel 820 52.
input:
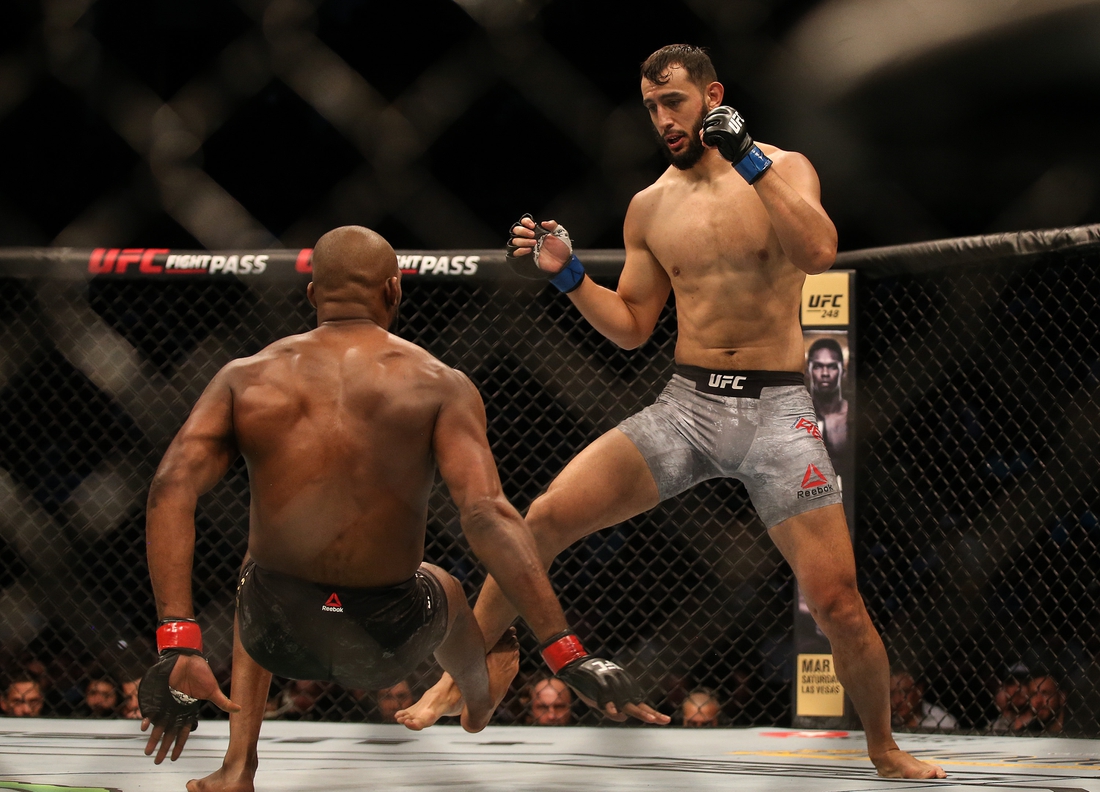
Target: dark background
pixel 216 123
pixel 259 124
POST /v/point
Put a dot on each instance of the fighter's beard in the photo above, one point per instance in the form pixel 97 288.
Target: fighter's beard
pixel 687 158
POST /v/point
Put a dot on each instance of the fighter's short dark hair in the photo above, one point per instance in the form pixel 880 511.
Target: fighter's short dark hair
pixel 826 343
pixel 694 60
pixel 704 691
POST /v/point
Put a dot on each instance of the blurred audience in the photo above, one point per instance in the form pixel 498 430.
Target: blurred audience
pixel 551 702
pixel 100 697
pixel 296 701
pixel 700 709
pixel 392 700
pixel 909 710
pixel 22 697
pixel 1030 702
pixel 128 700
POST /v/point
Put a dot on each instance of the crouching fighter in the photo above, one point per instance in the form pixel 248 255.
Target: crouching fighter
pixel 342 429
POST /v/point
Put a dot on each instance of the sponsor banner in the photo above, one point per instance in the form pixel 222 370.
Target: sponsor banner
pixel 277 264
pixel 167 263
pixel 820 693
pixel 828 334
pixel 826 299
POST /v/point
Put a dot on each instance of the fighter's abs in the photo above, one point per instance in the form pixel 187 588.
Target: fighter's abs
pixel 737 295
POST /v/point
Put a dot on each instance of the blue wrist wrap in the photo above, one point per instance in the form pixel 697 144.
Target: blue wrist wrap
pixel 753 165
pixel 570 277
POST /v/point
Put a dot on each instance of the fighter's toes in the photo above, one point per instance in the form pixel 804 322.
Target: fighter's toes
pixel 222 781
pixel 898 764
pixel 411 720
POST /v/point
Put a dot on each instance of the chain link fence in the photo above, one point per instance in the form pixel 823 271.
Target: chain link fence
pixel 976 537
pixel 978 533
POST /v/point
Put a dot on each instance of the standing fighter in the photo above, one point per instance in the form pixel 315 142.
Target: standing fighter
pixel 342 429
pixel 735 244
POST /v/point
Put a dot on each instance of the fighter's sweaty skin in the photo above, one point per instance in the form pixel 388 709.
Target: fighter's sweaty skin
pixel 336 427
pixel 737 294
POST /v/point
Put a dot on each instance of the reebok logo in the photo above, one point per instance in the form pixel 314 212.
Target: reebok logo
pixel 333 604
pixel 811 429
pixel 721 381
pixel 814 484
pixel 813 478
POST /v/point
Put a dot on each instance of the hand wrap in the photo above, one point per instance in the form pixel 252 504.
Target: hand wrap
pixel 162 704
pixel 593 678
pixel 724 128
pixel 157 699
pixel 527 265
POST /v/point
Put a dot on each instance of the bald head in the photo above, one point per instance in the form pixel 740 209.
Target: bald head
pixel 353 266
pixel 700 709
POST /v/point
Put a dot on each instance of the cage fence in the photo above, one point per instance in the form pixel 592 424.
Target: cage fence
pixel 976 531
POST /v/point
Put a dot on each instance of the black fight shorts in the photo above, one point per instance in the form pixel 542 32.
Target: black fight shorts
pixel 357 637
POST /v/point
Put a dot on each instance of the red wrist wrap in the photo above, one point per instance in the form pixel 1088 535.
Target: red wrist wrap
pixel 179 635
pixel 563 652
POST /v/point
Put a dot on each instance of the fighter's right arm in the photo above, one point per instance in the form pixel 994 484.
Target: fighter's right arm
pixel 496 532
pixel 196 460
pixel 628 314
pixel 504 543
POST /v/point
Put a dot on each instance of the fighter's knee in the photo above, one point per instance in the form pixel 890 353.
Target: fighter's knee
pixel 451 587
pixel 547 521
pixel 840 609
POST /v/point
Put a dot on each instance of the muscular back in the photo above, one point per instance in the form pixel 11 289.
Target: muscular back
pixel 737 294
pixel 336 427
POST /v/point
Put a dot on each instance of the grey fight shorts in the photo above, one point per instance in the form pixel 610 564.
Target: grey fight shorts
pixel 358 637
pixel 755 426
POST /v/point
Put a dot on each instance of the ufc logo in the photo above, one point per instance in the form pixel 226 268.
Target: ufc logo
pixel 728 380
pixel 601 666
pixel 737 122
pixel 825 300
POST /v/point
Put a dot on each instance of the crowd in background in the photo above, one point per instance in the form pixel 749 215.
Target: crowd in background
pixel 1024 701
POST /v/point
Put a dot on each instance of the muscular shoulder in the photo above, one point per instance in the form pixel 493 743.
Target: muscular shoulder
pixel 455 385
pixel 791 164
pixel 644 204
pixel 241 370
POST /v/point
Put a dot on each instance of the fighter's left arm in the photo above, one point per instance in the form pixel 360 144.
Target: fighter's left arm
pixel 791 193
pixel 196 460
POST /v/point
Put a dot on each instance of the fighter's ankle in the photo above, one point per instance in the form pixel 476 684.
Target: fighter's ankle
pixel 243 767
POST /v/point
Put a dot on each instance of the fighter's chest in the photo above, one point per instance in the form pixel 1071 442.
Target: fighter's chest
pixel 704 228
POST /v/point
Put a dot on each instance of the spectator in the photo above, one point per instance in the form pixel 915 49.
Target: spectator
pixel 909 710
pixel 1046 703
pixel 128 704
pixel 700 709
pixel 22 697
pixel 1030 703
pixel 100 697
pixel 392 700
pixel 299 700
pixel 551 702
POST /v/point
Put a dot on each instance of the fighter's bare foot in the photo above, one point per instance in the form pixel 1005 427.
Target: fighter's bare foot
pixel 442 698
pixel 224 780
pixel 503 664
pixel 896 763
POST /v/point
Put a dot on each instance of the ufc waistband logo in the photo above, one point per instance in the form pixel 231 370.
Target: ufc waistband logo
pixel 726 381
